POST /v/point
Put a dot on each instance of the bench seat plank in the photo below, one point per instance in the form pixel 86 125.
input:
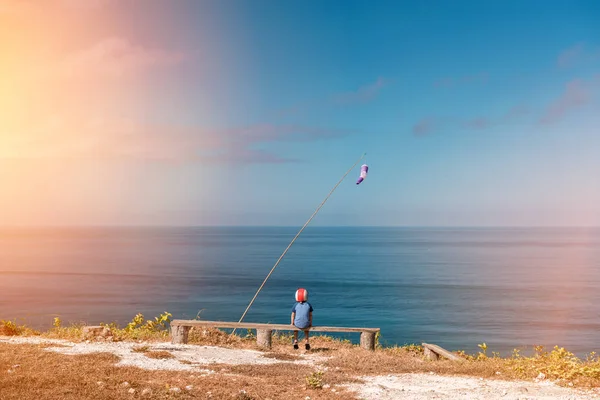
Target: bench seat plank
pixel 252 325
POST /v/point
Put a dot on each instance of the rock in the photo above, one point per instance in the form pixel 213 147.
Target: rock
pixel 175 389
pixel 570 383
pixel 189 387
pixel 541 376
pixel 326 386
pixel 523 389
pixel 90 332
pixel 16 366
pixel 131 391
pixel 498 373
pixel 99 383
pixel 125 384
pixel 146 391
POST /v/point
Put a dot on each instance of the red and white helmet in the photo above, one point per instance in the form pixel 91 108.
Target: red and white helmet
pixel 301 295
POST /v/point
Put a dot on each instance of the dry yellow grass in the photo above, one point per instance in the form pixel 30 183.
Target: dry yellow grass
pixel 43 374
pixel 161 355
pixel 558 365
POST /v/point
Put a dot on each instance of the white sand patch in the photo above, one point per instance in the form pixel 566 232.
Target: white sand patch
pixel 192 356
pixel 428 386
pixel 33 340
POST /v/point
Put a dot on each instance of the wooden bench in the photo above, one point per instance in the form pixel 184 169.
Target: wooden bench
pixel 433 352
pixel 180 329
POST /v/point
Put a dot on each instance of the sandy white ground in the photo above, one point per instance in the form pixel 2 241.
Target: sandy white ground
pixel 415 386
pixel 430 386
pixel 193 356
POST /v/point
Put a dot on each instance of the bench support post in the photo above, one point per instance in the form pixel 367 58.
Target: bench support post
pixel 263 338
pixel 367 340
pixel 430 354
pixel 179 334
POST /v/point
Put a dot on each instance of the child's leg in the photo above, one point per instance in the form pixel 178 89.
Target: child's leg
pixel 307 345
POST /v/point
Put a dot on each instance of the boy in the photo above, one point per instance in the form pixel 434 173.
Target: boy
pixel 302 316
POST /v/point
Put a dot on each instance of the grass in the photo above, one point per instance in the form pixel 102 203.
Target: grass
pixel 345 359
pixel 315 380
pixel 138 329
pixel 159 355
pixel 49 375
pixel 558 364
pixel 12 328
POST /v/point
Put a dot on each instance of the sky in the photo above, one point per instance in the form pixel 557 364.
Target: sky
pixel 249 112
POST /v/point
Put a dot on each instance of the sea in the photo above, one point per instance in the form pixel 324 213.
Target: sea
pixel 511 288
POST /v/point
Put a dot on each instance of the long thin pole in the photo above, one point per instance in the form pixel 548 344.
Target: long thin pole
pixel 298 234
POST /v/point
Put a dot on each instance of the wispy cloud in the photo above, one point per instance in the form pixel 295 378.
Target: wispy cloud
pixel 575 95
pixel 74 115
pixel 242 145
pixel 87 5
pixel 113 57
pixel 477 123
pixel 516 113
pixel 364 94
pixel 32 7
pixel 570 56
pixel 578 54
pixel 433 124
pixel 425 126
pixel 130 139
pixel 241 155
pixel 449 82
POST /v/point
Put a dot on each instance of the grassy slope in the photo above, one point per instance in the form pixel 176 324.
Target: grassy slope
pixel 49 375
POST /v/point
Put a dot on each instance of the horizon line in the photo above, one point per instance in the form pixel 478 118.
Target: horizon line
pixel 287 226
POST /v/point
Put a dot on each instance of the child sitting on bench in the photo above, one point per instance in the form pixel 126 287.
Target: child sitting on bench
pixel 302 316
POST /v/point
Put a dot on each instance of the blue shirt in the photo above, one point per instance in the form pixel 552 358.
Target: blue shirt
pixel 302 310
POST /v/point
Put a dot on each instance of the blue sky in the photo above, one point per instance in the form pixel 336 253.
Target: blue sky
pixel 471 113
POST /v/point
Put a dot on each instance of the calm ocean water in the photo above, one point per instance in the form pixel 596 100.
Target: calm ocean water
pixel 510 288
